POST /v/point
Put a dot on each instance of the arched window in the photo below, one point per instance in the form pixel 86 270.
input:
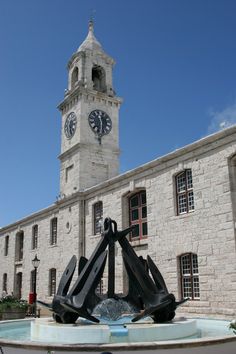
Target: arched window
pixel 74 77
pixel 53 232
pixel 184 192
pixel 34 237
pixel 4 283
pixel 52 281
pixel 6 247
pixel 189 276
pixel 99 78
pixel 97 218
pixel 19 246
pixel 138 215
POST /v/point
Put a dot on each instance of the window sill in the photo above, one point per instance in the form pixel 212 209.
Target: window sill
pixel 139 242
pixel 52 246
pixel 184 215
pixel 190 303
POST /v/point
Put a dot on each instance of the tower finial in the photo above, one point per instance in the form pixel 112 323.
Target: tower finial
pixel 91 26
pixel 91 21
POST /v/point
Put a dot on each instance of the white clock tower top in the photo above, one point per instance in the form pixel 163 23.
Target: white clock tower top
pixel 90 119
pixel 90 42
pixel 90 66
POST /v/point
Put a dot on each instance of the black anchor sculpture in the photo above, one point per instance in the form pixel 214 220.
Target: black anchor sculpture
pixel 148 295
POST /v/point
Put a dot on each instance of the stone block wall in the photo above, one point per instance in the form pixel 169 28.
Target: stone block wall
pixel 208 231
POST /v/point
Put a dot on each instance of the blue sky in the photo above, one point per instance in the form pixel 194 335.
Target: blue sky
pixel 176 70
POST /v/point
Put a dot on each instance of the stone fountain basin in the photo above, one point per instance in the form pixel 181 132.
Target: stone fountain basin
pixel 140 340
pixel 84 332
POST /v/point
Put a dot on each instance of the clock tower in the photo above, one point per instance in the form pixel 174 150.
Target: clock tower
pixel 90 119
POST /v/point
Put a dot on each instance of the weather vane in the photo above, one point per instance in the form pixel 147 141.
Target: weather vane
pixel 92 15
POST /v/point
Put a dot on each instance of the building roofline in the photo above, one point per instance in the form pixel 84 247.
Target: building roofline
pixel 207 140
pixel 203 142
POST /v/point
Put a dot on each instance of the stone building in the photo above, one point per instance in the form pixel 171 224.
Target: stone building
pixel 183 204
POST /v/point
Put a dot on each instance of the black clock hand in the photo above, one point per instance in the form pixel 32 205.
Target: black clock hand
pixel 100 120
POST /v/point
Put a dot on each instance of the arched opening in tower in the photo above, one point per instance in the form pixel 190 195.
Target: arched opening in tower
pixel 99 78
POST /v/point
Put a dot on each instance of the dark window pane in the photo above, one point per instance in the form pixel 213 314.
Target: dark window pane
pixel 195 264
pixel 135 231
pixel 143 198
pixel 144 226
pixel 6 245
pixel 144 212
pixel 134 214
pixel 134 201
pixel 4 285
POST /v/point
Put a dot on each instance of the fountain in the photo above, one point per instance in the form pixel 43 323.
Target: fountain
pixel 142 319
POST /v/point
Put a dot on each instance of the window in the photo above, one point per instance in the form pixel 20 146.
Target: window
pixel 34 237
pixel 100 288
pixel 138 215
pixel 97 217
pixel 19 247
pixel 6 248
pixel 18 285
pixel 184 191
pixel 52 282
pixel 74 77
pixel 189 276
pixel 4 283
pixel 53 236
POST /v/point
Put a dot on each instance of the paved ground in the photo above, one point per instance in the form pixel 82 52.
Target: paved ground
pixel 215 349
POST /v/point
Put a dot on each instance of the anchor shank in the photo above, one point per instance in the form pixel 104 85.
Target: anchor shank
pixel 111 269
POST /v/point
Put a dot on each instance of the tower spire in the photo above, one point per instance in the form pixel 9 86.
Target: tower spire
pixel 90 41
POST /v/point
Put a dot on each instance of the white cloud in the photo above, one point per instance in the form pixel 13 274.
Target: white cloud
pixel 222 120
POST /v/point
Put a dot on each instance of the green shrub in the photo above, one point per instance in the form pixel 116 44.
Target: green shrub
pixel 233 326
pixel 10 302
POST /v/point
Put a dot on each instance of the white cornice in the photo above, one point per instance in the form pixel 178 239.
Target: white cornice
pixel 87 146
pixel 79 90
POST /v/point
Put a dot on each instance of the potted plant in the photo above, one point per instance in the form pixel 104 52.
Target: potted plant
pixel 12 308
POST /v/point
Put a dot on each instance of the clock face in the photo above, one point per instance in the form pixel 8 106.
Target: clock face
pixel 100 122
pixel 70 125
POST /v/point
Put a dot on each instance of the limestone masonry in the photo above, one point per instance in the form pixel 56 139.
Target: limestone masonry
pixel 183 205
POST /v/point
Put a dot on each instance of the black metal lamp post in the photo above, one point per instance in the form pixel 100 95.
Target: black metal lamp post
pixel 35 263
